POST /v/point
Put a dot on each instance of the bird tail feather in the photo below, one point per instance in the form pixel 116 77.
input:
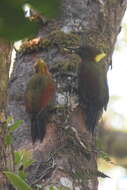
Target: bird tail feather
pixel 38 126
pixel 92 116
pixel 34 132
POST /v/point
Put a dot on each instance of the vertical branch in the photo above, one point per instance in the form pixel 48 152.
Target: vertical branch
pixel 5 153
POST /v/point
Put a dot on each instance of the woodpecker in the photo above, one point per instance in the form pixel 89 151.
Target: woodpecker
pixel 92 85
pixel 39 96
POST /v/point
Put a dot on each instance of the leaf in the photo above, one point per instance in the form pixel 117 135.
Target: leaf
pixel 15 125
pixel 51 187
pixel 22 174
pixel 26 159
pixel 23 158
pixel 17 181
pixel 18 157
pixel 99 57
pixel 27 163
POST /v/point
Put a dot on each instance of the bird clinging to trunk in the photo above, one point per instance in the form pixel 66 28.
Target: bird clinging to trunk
pixel 39 96
pixel 92 86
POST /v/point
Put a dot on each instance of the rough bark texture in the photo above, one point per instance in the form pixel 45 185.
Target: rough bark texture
pixel 67 156
pixel 5 151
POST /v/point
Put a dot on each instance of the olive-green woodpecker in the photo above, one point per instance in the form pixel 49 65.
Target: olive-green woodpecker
pixel 39 95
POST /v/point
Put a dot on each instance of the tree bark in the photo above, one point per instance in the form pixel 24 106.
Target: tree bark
pixel 5 151
pixel 67 156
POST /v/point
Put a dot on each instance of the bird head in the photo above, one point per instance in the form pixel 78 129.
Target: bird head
pixel 89 54
pixel 41 67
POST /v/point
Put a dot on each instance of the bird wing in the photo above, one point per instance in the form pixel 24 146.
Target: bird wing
pixel 40 90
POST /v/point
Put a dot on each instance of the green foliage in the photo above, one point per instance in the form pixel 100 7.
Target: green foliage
pixel 14 25
pixel 23 158
pixel 8 137
pixel 48 8
pixel 22 174
pixel 55 188
pixel 51 188
pixel 17 181
pixel 22 161
pixel 105 156
pixel 13 127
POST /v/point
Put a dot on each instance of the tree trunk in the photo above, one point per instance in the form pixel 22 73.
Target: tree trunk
pixel 5 151
pixel 67 156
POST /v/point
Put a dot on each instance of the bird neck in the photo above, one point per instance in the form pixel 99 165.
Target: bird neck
pixel 87 54
pixel 43 72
